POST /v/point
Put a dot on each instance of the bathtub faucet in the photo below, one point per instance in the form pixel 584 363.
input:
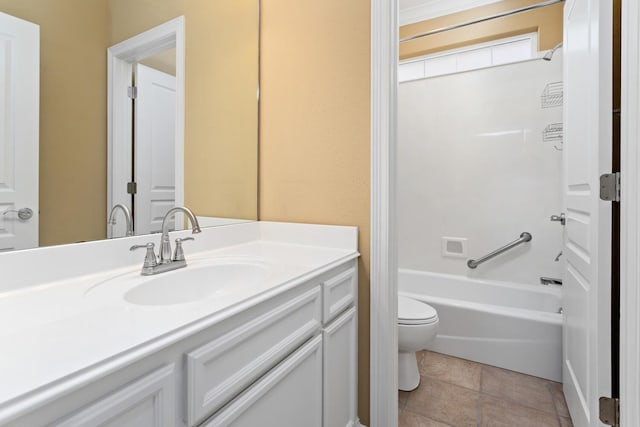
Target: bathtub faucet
pixel 550 281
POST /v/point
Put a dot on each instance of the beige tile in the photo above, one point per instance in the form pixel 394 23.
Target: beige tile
pixel 519 388
pixel 502 413
pixel 410 419
pixel 420 356
pixel 444 402
pixel 402 398
pixel 565 422
pixel 558 399
pixel 451 370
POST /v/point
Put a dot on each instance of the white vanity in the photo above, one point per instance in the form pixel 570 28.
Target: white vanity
pixel 260 329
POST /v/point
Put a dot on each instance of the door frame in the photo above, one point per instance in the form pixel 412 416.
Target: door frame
pixel 629 221
pixel 384 288
pixel 120 60
pixel 383 357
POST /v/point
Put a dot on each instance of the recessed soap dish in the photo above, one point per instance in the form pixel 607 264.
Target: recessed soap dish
pixel 454 247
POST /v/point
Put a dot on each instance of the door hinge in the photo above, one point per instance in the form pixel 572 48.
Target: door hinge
pixel 610 411
pixel 610 187
pixel 132 187
pixel 132 92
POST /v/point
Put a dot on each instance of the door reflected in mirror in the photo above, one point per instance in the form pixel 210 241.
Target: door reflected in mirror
pixel 145 132
pixel 154 146
pixel 204 158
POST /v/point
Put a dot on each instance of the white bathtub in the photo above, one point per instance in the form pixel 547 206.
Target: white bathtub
pixel 512 326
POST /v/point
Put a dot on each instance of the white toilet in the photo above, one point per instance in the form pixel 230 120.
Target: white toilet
pixel 417 326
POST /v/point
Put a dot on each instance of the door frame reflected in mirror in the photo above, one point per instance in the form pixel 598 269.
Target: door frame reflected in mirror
pixel 121 59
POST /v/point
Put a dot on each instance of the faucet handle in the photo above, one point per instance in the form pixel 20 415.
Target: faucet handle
pixel 150 260
pixel 178 255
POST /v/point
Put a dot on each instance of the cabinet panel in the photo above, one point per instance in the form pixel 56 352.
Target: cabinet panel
pixel 219 370
pixel 339 292
pixel 340 371
pixel 290 395
pixel 147 402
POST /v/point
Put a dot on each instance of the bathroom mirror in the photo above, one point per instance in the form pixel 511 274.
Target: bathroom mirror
pixel 73 128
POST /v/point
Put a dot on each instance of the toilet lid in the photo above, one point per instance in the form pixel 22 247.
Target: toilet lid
pixel 414 312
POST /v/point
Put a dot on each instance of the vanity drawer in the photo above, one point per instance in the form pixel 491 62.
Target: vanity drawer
pixel 222 368
pixel 290 395
pixel 338 293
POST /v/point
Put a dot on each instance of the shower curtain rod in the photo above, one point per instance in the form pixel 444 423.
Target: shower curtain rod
pixel 477 21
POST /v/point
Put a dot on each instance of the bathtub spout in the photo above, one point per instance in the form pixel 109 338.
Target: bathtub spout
pixel 550 281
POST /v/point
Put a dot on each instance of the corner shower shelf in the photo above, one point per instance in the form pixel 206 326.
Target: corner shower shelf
pixel 553 133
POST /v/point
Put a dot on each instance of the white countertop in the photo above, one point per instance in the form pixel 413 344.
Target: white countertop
pixel 59 335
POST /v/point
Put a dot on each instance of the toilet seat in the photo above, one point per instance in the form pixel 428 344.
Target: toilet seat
pixel 414 312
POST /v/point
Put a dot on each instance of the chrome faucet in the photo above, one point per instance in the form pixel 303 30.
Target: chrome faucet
pixel 127 217
pixel 166 262
pixel 165 243
pixel 550 281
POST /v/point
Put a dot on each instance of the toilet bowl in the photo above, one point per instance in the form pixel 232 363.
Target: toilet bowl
pixel 417 327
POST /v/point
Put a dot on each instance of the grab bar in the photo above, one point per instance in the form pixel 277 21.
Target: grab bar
pixel 524 237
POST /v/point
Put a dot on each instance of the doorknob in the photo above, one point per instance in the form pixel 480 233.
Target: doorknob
pixel 24 213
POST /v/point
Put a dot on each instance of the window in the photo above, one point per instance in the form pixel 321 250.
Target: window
pixel 497 52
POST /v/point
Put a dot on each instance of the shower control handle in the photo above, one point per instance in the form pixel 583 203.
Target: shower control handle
pixel 562 219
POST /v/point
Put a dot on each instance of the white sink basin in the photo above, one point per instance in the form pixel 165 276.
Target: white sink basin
pixel 196 282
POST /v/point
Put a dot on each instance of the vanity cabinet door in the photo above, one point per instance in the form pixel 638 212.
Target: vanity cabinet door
pixel 339 373
pixel 290 395
pixel 147 402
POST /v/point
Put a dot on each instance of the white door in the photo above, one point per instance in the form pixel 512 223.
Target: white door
pixel 19 124
pixel 154 148
pixel 587 155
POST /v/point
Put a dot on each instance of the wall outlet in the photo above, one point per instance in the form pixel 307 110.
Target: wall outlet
pixel 454 247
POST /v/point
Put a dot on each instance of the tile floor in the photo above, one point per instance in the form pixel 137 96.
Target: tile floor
pixel 459 393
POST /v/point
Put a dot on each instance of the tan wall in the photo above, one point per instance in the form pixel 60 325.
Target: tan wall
pixel 547 22
pixel 221 133
pixel 314 139
pixel 73 108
